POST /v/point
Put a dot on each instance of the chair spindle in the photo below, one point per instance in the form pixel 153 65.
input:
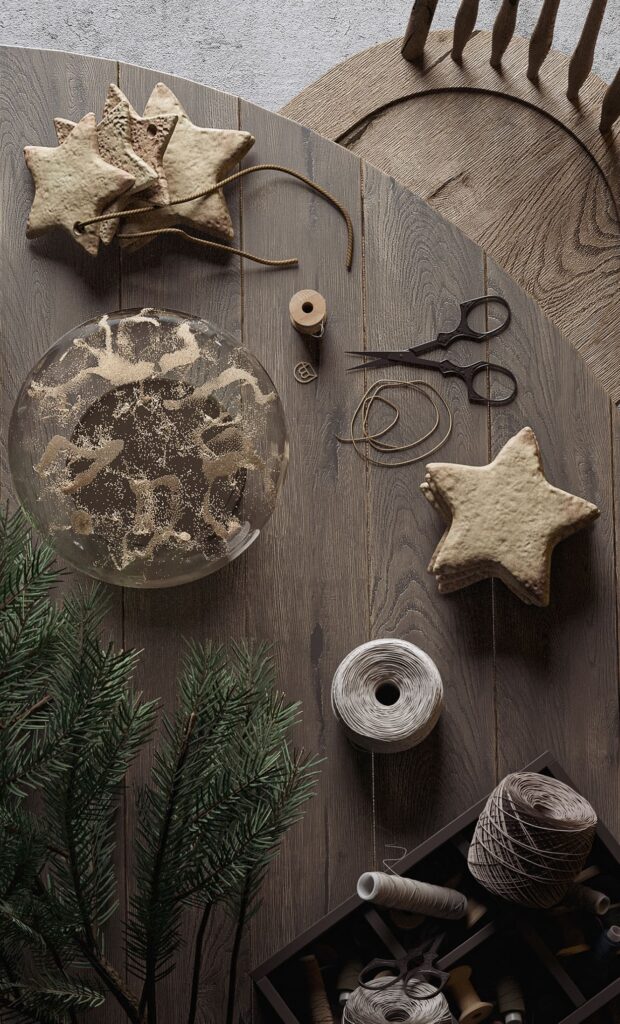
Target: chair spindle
pixel 464 25
pixel 419 26
pixel 610 111
pixel 503 31
pixel 583 56
pixel 542 38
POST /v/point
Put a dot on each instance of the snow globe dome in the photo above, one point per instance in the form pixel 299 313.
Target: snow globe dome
pixel 149 447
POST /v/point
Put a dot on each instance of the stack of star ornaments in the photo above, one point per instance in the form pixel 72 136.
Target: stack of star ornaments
pixel 504 520
pixel 127 161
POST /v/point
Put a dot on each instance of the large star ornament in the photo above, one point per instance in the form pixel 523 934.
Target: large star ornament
pixel 72 184
pixel 504 520
pixel 195 159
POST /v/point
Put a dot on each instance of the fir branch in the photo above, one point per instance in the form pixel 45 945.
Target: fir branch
pixel 197 963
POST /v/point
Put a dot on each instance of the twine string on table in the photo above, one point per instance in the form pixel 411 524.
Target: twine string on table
pixel 373 438
pixel 411 895
pixel 532 839
pixel 397 1003
pixel 204 193
pixel 388 695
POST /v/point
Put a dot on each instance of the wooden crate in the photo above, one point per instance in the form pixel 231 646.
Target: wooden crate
pixel 557 990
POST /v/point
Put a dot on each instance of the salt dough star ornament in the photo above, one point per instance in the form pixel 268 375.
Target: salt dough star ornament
pixel 195 159
pixel 72 184
pixel 504 520
pixel 149 137
pixel 116 146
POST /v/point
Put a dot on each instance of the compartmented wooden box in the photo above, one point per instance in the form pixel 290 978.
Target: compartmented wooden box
pixel 562 982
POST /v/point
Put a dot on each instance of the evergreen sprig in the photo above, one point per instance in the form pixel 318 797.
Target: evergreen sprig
pixel 225 787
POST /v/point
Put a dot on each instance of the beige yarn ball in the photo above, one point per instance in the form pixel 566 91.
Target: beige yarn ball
pixel 532 839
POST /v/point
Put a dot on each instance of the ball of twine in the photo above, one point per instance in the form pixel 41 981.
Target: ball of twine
pixel 532 839
pixel 388 695
pixel 397 1004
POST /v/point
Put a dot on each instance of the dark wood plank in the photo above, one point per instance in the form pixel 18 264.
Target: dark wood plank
pixel 557 669
pixel 176 275
pixel 307 576
pixel 49 285
pixel 432 268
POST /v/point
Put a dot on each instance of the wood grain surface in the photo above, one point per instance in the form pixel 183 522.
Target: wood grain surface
pixel 513 163
pixel 344 557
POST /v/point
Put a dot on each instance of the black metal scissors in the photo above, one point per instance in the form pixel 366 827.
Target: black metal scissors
pixel 419 965
pixel 415 356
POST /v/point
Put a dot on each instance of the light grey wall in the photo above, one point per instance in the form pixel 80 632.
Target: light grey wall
pixel 263 50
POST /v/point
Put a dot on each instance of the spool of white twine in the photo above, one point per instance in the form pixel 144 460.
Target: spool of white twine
pixel 532 839
pixel 409 894
pixel 396 1003
pixel 388 695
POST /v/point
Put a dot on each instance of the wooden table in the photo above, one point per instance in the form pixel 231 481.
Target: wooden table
pixel 344 557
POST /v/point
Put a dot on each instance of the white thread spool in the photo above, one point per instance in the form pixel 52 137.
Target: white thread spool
pixel 308 313
pixel 397 893
pixel 532 840
pixel 388 695
pixel 584 898
pixel 396 1003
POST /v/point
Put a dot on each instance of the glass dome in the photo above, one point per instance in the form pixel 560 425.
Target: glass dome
pixel 149 447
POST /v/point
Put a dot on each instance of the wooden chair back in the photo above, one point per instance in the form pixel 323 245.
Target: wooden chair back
pixel 541 40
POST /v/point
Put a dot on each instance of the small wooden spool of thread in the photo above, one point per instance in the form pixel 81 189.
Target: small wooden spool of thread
pixel 510 1001
pixel 320 1010
pixel 308 313
pixel 348 980
pixel 408 894
pixel 471 1007
pixel 582 897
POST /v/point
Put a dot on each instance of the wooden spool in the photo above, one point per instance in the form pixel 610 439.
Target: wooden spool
pixel 320 1010
pixel 308 312
pixel 471 1007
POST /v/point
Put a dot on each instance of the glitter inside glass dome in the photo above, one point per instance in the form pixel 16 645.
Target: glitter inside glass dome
pixel 149 447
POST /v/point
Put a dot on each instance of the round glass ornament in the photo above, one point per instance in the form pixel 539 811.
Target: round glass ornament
pixel 149 447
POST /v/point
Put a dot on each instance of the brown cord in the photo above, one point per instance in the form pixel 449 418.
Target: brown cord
pixel 342 210
pixel 293 262
pixel 372 438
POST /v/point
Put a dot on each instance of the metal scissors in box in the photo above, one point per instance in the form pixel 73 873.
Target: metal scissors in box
pixel 416 966
pixel 463 331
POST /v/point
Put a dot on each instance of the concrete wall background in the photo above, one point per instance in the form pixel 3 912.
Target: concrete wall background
pixel 263 50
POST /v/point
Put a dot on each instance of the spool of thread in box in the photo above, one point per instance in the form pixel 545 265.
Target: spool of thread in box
pixel 415 1004
pixel 582 897
pixel 320 1010
pixel 348 980
pixel 397 893
pixel 510 1001
pixel 308 313
pixel 472 1008
pixel 608 943
pixel 388 695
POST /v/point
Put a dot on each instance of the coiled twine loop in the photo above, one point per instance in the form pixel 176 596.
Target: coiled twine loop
pixel 532 839
pixel 388 695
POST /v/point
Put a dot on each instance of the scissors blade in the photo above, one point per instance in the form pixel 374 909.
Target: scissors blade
pixel 376 359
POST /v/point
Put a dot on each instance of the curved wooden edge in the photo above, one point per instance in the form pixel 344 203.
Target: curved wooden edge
pixel 340 101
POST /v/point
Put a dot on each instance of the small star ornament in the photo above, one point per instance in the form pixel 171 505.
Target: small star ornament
pixel 149 137
pixel 115 145
pixel 504 520
pixel 73 183
pixel 195 159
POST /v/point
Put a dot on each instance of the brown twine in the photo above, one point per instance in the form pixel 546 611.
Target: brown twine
pixel 342 210
pixel 373 438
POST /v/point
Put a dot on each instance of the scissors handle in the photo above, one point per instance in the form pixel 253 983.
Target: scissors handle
pixel 463 330
pixel 479 370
